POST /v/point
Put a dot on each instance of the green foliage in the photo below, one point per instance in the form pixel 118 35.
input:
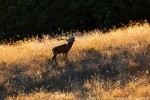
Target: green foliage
pixel 22 18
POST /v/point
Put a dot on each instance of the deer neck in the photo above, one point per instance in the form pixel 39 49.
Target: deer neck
pixel 69 44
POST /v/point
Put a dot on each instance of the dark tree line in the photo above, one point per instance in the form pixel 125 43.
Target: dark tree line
pixel 26 18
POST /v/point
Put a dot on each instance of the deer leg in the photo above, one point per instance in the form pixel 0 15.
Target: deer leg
pixel 54 57
pixel 63 54
pixel 66 55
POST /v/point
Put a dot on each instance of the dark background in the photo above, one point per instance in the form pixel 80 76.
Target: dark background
pixel 27 18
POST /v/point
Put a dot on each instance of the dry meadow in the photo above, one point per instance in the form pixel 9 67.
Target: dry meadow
pixel 111 65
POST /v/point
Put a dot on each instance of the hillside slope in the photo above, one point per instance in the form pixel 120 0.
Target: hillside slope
pixel 98 64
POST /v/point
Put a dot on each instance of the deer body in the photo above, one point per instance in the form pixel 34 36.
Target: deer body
pixel 63 48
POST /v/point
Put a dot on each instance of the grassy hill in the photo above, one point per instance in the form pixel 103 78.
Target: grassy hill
pixel 100 65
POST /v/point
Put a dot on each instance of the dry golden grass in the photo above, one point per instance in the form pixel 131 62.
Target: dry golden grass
pixel 44 96
pixel 100 66
pixel 29 49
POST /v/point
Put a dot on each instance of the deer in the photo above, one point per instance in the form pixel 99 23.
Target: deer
pixel 64 48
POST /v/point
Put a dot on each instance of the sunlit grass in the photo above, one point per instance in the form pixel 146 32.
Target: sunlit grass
pixel 94 39
pixel 44 96
pixel 100 65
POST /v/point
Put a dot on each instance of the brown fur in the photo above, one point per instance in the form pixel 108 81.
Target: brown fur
pixel 62 48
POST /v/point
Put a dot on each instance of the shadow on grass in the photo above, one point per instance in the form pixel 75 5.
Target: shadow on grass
pixel 72 75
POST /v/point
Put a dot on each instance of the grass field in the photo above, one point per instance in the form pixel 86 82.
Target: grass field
pixel 112 65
